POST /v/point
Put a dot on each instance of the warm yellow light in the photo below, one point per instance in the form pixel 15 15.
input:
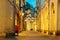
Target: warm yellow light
pixel 22 14
pixel 17 2
pixel 25 20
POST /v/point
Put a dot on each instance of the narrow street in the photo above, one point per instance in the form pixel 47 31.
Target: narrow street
pixel 32 33
pixel 29 19
pixel 32 38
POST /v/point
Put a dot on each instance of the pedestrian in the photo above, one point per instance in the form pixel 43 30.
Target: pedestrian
pixel 16 29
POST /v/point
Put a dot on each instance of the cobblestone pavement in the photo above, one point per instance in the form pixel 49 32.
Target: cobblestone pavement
pixel 32 38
